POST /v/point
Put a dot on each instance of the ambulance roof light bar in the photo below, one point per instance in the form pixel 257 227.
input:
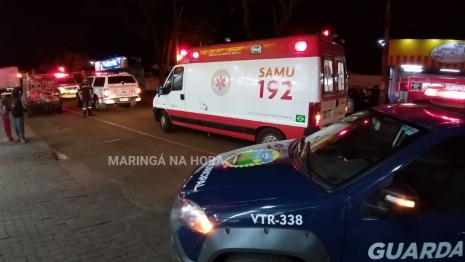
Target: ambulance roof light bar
pixel 60 75
pixel 300 46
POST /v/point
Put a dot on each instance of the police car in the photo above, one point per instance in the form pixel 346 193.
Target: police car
pixel 383 184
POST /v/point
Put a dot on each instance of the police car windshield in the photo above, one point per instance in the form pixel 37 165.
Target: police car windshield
pixel 343 150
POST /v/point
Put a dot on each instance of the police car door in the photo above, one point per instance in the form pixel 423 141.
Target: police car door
pixel 418 214
pixel 174 90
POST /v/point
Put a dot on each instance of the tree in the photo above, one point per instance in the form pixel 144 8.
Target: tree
pixel 281 11
pixel 158 23
pixel 196 32
pixel 147 19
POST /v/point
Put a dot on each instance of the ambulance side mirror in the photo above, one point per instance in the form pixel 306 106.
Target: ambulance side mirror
pixel 160 90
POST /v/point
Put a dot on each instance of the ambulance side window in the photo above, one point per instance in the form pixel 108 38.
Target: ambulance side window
pixel 328 85
pixel 168 83
pixel 341 73
pixel 178 76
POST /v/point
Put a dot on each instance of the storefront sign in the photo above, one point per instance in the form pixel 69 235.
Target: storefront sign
pixel 449 53
pixel 110 64
pixel 427 52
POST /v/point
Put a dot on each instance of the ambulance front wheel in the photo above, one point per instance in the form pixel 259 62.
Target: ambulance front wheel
pixel 165 122
pixel 268 135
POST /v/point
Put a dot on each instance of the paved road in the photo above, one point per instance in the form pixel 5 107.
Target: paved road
pixel 120 132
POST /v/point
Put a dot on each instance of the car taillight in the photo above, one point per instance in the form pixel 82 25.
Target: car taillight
pixel 138 90
pixel 106 93
pixel 314 115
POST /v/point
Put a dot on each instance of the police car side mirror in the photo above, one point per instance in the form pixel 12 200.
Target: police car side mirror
pixel 384 202
pixel 400 197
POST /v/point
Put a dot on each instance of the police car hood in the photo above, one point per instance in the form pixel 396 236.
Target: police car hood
pixel 258 172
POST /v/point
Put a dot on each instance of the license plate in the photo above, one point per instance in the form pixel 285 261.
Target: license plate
pixel 123 99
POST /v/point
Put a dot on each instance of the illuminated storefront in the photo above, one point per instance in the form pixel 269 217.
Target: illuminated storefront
pixel 131 65
pixel 415 65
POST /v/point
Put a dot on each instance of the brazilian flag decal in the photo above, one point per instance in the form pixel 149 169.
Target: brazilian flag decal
pixel 252 158
pixel 300 118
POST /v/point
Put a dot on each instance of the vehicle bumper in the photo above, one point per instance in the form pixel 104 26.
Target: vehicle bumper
pixel 309 131
pixel 155 113
pixel 191 246
pixel 44 105
pixel 119 100
pixel 68 94
pixel 175 226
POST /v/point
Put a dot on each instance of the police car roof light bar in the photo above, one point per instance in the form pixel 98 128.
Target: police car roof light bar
pixel 445 93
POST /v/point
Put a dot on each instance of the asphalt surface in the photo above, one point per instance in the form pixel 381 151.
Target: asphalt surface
pixel 105 143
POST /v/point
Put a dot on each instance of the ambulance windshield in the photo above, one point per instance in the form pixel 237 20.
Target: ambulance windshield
pixel 343 150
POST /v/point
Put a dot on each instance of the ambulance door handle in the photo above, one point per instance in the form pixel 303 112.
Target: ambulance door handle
pixel 182 96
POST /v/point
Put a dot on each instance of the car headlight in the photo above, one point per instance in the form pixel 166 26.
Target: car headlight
pixel 193 217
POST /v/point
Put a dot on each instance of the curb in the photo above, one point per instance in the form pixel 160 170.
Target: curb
pixel 31 133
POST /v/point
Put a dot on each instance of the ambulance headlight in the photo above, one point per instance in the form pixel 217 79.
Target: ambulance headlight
pixel 193 217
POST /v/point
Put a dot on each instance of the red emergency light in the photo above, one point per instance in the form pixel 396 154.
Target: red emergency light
pixel 445 93
pixel 300 46
pixel 325 32
pixel 183 52
pixel 60 75
pixel 195 55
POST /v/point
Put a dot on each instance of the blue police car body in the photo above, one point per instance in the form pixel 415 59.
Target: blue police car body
pixel 366 189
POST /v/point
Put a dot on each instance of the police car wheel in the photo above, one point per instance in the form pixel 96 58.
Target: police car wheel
pixel 257 258
pixel 96 104
pixel 269 135
pixel 165 122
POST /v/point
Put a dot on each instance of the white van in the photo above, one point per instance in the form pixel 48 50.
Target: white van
pixel 263 91
pixel 113 89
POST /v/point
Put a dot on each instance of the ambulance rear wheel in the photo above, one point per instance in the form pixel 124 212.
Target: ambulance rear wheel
pixel 268 135
pixel 257 258
pixel 165 122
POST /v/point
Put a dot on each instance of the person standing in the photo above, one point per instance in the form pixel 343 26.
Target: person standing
pixel 86 92
pixel 17 111
pixel 5 112
pixel 374 97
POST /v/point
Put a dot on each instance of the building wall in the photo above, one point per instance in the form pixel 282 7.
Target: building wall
pixel 427 52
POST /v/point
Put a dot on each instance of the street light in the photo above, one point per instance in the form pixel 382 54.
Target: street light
pixel 382 42
pixel 227 40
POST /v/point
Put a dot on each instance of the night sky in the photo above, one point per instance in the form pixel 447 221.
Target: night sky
pixel 33 30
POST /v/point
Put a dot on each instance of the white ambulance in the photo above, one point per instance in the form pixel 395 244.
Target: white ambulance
pixel 262 91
